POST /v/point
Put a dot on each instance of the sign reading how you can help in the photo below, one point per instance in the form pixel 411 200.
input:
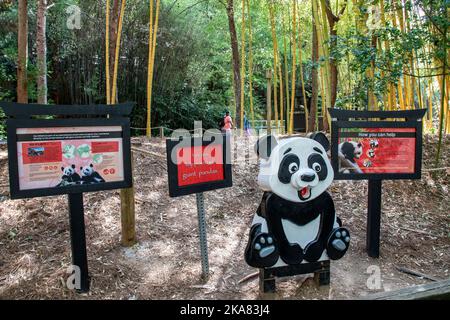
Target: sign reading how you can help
pixel 363 148
pixel 377 150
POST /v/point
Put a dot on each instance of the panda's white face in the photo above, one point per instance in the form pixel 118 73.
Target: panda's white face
pixel 68 171
pixel 297 170
pixel 87 171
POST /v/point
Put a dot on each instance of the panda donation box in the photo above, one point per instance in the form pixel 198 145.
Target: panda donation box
pixel 376 146
pixel 82 149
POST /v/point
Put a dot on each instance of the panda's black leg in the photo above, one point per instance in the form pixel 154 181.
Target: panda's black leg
pixel 338 243
pixel 262 249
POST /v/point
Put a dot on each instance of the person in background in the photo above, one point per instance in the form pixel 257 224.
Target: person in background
pixel 246 124
pixel 228 123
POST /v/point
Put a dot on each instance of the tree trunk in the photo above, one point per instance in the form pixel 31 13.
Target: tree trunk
pixel 314 78
pixel 41 48
pixel 235 59
pixel 332 20
pixel 22 43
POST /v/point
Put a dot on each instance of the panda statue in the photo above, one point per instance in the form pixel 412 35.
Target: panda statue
pixel 296 221
pixel 90 176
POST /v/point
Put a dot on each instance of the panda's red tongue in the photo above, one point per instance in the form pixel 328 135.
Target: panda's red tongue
pixel 304 192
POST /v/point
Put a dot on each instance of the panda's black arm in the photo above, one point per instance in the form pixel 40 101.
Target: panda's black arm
pixel 96 175
pixel 273 217
pixel 328 216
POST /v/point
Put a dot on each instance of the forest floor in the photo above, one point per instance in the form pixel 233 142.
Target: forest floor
pixel 165 263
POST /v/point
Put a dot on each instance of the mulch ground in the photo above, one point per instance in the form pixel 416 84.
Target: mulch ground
pixel 165 263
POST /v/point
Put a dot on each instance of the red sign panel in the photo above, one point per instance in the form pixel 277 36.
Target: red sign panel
pixel 377 150
pixel 198 165
pixel 41 152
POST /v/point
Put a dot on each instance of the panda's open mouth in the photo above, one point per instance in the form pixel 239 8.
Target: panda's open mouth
pixel 304 193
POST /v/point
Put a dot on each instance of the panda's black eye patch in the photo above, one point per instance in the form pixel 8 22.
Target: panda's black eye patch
pixel 318 164
pixel 288 166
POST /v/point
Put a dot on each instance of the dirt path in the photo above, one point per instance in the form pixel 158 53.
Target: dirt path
pixel 165 264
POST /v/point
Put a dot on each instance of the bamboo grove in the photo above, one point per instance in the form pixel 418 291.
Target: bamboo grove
pixel 355 59
pixel 421 74
pixel 186 59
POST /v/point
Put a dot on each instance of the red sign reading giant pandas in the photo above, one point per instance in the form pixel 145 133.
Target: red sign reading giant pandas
pixel 196 166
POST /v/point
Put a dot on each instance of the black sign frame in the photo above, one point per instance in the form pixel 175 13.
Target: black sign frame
pixel 172 169
pixel 14 124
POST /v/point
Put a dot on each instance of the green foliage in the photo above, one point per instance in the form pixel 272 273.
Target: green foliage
pixel 192 76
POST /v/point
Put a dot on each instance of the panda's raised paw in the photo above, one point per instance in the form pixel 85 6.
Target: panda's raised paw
pixel 262 251
pixel 338 243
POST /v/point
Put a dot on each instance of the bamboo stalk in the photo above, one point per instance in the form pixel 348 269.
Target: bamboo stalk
pixel 107 57
pixel 152 66
pixel 275 60
pixel 280 73
pixel 300 61
pixel 116 63
pixel 294 49
pixel 286 70
pixel 250 62
pixel 149 74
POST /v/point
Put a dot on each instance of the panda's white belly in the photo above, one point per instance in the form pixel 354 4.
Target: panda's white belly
pixel 301 234
pixel 296 234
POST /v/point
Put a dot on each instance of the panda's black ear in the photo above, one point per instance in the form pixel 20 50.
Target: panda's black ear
pixel 91 165
pixel 62 168
pixel 321 138
pixel 265 145
pixel 73 166
pixel 81 168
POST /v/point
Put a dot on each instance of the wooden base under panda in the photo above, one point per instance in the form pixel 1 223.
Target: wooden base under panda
pixel 267 276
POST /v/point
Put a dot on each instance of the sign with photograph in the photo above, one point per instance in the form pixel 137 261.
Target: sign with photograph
pixel 377 150
pixel 196 166
pixel 49 157
pixel 366 149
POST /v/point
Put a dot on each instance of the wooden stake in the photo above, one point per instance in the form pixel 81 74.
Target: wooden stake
pixel 128 214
